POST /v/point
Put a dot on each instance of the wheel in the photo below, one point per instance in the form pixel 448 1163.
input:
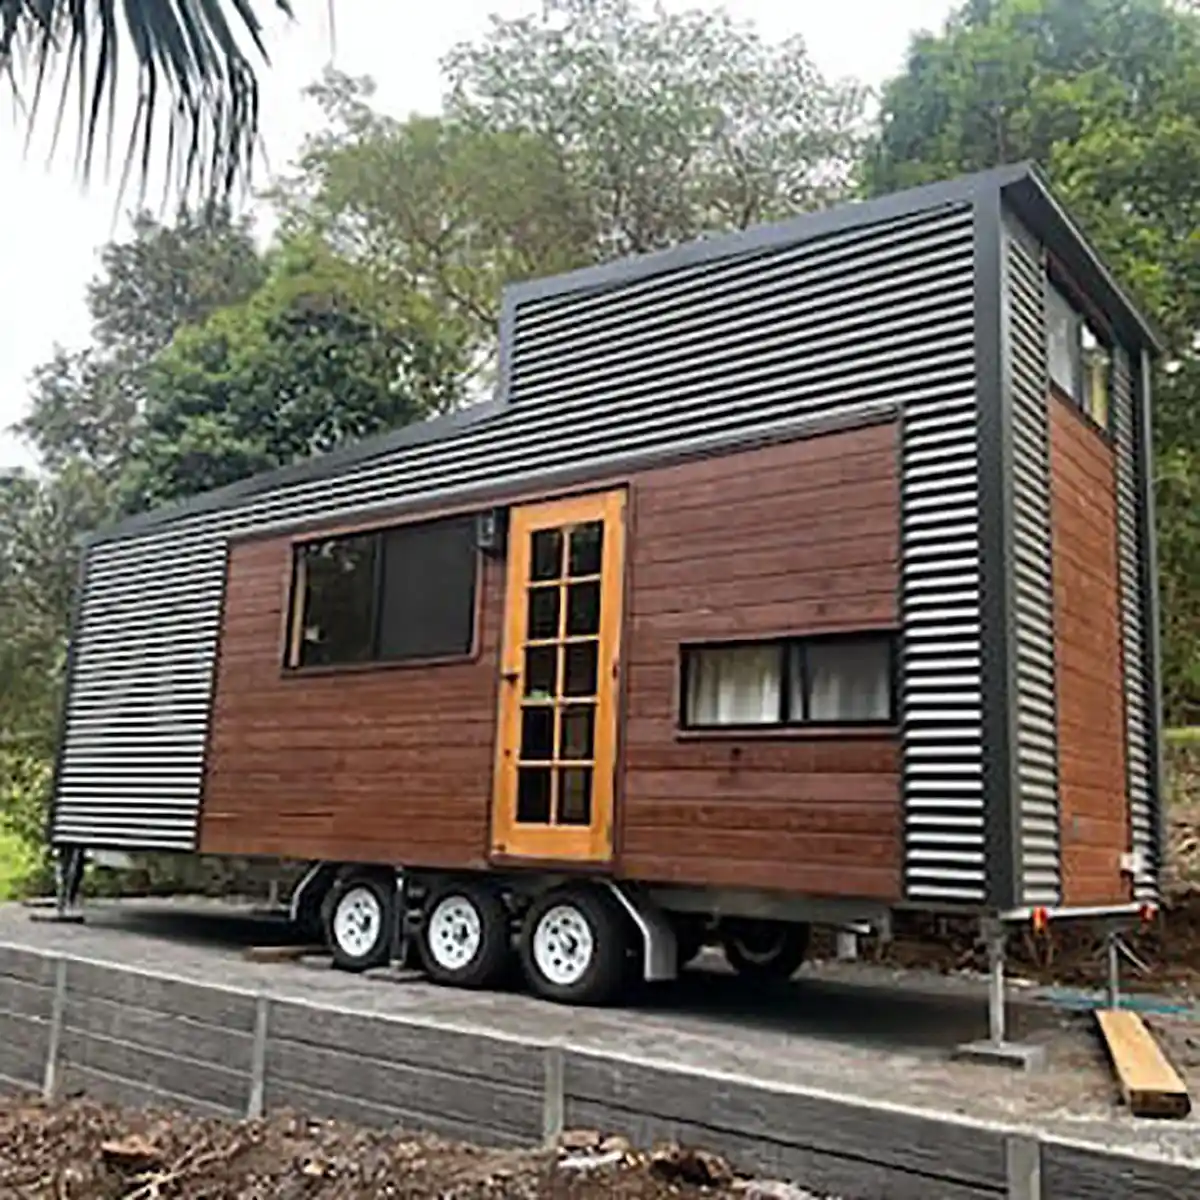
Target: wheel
pixel 360 920
pixel 465 937
pixel 574 946
pixel 764 950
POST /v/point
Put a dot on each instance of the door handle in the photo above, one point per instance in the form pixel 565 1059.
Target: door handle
pixel 510 676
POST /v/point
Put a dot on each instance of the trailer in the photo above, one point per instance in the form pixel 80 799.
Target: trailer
pixel 795 577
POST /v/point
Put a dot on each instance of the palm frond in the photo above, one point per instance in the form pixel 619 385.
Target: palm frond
pixel 196 84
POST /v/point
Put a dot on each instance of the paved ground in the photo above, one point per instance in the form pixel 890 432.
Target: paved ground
pixel 856 1031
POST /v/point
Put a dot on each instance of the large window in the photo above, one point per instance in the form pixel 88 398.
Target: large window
pixel 1080 362
pixel 843 680
pixel 389 595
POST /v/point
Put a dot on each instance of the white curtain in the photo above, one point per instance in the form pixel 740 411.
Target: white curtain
pixel 847 681
pixel 737 685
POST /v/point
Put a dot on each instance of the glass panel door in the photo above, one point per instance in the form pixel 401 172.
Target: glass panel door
pixel 558 680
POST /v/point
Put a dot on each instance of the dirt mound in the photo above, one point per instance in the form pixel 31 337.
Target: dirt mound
pixel 80 1150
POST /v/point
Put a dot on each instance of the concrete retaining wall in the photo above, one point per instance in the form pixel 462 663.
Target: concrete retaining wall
pixel 69 1026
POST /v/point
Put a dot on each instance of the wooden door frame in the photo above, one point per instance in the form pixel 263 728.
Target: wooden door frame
pixel 594 844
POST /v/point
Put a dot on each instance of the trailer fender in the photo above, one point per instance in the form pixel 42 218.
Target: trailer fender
pixel 660 951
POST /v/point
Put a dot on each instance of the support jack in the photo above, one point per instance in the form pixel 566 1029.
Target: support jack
pixel 996 1049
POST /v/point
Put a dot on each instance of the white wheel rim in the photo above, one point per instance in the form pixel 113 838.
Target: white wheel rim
pixel 455 933
pixel 358 921
pixel 563 945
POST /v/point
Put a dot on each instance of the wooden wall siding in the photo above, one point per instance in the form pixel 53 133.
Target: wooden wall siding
pixel 792 539
pixel 381 765
pixel 1089 678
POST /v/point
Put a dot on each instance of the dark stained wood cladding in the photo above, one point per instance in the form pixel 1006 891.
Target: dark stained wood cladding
pixel 796 538
pixel 1094 815
pixel 395 764
pixel 380 765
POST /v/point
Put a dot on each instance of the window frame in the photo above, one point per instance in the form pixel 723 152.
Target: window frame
pixel 1083 315
pixel 293 621
pixel 787 725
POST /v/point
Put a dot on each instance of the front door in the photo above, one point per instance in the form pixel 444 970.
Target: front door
pixel 558 680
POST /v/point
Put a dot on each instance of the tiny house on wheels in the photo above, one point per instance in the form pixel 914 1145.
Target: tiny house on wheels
pixel 793 577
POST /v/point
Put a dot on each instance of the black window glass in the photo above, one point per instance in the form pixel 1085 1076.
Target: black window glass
pixel 387 595
pixel 338 576
pixel 428 601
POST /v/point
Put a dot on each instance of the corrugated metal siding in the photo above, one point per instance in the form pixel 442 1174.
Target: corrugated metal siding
pixel 941 686
pixel 1138 758
pixel 1035 750
pixel 854 321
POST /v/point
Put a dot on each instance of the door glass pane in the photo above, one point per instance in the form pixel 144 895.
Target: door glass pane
pixel 543 613
pixel 533 795
pixel 541 663
pixel 537 732
pixel 587 549
pixel 577 737
pixel 575 796
pixel 545 560
pixel 583 609
pixel 581 673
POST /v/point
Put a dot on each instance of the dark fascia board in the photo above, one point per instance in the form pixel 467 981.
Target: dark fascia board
pixel 1029 194
pixel 1021 184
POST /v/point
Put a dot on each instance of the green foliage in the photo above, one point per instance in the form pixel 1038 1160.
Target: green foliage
pixel 196 86
pixel 587 132
pixel 319 355
pixel 1105 94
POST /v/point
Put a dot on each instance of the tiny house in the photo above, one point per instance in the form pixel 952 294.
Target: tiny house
pixel 797 576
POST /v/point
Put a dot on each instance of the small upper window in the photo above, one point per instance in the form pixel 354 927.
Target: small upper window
pixel 803 681
pixel 390 595
pixel 1078 359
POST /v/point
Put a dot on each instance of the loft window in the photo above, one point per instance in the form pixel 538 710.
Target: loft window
pixel 389 595
pixel 842 680
pixel 1079 359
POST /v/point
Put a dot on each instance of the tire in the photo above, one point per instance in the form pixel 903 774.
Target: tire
pixel 690 938
pixel 361 914
pixel 465 938
pixel 574 947
pixel 767 951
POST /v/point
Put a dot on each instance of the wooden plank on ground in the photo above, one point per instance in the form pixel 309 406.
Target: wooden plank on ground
pixel 1150 1086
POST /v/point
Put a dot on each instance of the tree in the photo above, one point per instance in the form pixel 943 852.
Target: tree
pixel 193 75
pixel 1105 94
pixel 319 355
pixel 670 125
pixel 586 133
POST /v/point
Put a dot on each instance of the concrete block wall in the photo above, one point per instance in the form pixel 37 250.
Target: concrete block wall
pixel 69 1026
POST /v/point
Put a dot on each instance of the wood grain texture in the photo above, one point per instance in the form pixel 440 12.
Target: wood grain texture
pixel 792 539
pixel 1150 1085
pixel 390 765
pixel 1089 676
pixel 24 1044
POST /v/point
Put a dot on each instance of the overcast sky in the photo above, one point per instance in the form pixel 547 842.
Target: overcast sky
pixel 51 228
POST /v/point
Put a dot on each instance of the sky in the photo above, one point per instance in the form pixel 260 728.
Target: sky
pixel 52 226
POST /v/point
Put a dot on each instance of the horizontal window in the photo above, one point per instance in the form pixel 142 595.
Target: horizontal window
pixel 389 595
pixel 1079 360
pixel 843 680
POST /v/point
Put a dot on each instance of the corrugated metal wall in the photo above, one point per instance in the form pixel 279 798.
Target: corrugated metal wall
pixel 857 321
pixel 1035 752
pixel 942 688
pixel 1142 812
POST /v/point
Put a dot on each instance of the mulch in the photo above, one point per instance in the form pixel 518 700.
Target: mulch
pixel 81 1150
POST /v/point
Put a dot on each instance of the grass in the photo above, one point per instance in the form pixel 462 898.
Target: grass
pixel 18 866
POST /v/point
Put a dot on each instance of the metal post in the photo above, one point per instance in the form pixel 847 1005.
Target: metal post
pixel 1114 968
pixel 996 939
